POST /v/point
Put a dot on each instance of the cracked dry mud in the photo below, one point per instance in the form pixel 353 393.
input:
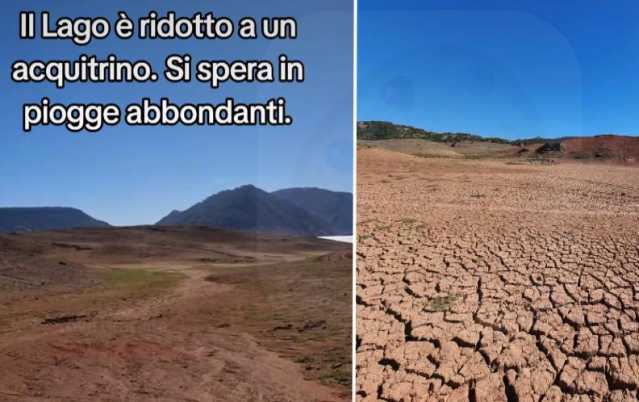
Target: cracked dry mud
pixel 488 281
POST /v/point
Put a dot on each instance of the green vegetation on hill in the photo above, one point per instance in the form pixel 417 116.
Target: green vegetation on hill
pixel 598 147
pixel 382 130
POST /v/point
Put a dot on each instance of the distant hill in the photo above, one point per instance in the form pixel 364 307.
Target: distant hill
pixel 45 218
pixel 335 208
pixel 383 130
pixel 249 208
pixel 600 147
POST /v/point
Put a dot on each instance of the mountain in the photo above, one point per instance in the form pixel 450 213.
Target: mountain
pixel 45 218
pixel 249 208
pixel 335 208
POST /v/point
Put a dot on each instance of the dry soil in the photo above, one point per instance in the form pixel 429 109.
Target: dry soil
pixel 173 314
pixel 490 280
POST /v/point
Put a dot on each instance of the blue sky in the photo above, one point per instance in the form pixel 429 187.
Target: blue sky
pixel 136 175
pixel 505 68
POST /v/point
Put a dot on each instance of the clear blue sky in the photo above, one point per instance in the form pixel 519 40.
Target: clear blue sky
pixel 501 67
pixel 133 175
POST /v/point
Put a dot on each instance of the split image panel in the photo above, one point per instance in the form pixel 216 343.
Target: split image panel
pixel 497 213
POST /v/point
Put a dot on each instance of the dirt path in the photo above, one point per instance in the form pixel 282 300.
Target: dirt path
pixel 168 347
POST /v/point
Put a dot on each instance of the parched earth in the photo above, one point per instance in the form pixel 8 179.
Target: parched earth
pixel 174 314
pixel 496 281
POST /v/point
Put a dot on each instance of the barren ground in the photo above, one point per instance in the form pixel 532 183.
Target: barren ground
pixel 433 149
pixel 484 280
pixel 174 314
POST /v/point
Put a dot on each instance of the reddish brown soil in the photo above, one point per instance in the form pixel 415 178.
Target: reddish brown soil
pixel 490 281
pixel 604 146
pixel 173 315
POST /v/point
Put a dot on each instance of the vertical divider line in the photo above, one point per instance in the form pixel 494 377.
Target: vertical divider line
pixel 354 257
